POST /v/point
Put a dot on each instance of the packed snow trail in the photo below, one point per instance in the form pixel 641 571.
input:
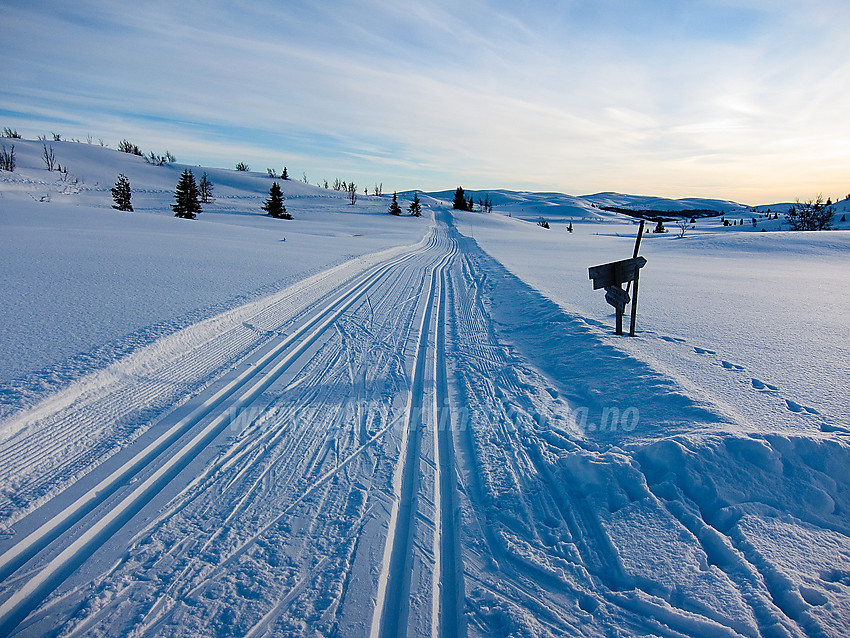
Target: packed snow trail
pixel 195 431
pixel 420 445
pixel 391 611
pixel 251 383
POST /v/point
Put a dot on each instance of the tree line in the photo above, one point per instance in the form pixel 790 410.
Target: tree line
pixel 189 195
pixel 414 209
pixel 462 202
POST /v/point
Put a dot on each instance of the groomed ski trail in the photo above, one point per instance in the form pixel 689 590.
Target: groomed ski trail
pixel 150 468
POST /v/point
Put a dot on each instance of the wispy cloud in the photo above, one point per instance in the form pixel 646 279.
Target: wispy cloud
pixel 709 97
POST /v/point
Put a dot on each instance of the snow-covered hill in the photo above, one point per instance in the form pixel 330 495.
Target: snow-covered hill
pixel 562 207
pixel 86 283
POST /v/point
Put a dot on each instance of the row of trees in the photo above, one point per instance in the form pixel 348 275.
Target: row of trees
pixel 462 202
pixel 189 195
pixel 414 209
pixel 125 146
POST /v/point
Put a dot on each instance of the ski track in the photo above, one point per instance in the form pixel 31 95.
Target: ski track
pixel 210 419
pixel 361 455
pixel 391 610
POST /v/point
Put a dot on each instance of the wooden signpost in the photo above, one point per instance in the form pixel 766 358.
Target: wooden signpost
pixel 612 276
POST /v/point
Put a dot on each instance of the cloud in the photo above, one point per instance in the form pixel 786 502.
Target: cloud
pixel 610 95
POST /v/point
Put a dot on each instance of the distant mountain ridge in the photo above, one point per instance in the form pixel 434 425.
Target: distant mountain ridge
pixel 561 206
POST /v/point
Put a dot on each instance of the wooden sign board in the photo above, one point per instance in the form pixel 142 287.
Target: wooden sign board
pixel 617 297
pixel 615 273
pixel 612 276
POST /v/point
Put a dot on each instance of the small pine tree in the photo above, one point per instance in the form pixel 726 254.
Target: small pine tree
pixel 121 193
pixel 844 217
pixel 659 228
pixel 274 204
pixel 242 166
pixel 570 228
pixel 470 205
pixel 284 174
pixel 415 207
pixel 394 208
pixel 187 204
pixel 205 189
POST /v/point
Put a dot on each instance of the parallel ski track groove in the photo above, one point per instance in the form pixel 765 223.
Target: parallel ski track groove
pixel 447 593
pixel 30 453
pixel 392 607
pixel 18 605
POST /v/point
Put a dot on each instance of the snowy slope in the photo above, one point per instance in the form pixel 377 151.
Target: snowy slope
pixel 394 426
pixel 790 294
pixel 87 283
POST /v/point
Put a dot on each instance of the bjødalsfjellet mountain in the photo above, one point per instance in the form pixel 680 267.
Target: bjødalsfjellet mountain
pixel 359 424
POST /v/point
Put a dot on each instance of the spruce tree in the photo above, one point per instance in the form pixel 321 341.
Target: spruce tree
pixel 394 209
pixel 121 193
pixel 274 204
pixel 186 196
pixel 415 207
pixel 459 201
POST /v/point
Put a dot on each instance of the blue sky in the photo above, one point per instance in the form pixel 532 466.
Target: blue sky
pixel 744 99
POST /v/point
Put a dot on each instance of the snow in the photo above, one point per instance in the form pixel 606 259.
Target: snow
pixel 397 426
pixel 784 344
pixel 108 281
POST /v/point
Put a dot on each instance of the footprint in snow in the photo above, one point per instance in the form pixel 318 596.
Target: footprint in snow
pixel 764 387
pixel 757 384
pixel 799 409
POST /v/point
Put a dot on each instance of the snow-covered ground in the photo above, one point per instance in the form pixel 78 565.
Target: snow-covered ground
pixel 395 426
pixel 733 312
pixel 84 283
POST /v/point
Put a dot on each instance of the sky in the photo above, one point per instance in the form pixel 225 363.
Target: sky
pixel 737 99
